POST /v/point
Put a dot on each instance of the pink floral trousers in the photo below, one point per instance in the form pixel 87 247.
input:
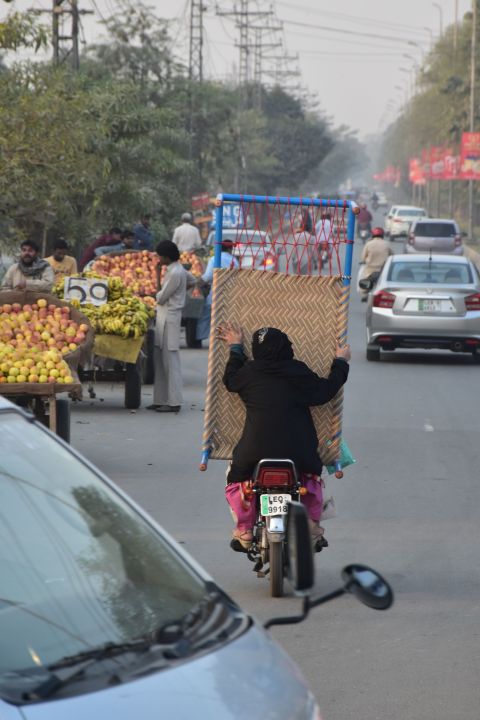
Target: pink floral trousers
pixel 242 504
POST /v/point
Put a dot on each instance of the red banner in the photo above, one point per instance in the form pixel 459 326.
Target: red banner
pixel 452 165
pixel 425 162
pixel 470 156
pixel 437 162
pixel 415 171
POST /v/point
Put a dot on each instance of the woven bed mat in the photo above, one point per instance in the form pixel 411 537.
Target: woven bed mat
pixel 313 313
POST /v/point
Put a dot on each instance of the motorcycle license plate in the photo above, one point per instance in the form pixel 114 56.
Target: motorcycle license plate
pixel 274 504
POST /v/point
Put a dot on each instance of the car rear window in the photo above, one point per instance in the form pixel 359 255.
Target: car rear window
pixel 430 272
pixel 411 213
pixel 431 229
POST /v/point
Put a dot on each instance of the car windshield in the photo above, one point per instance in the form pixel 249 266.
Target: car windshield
pixel 432 229
pixel 430 272
pixel 410 213
pixel 79 567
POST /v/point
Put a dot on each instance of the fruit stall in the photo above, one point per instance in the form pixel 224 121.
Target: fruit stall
pixel 120 320
pixel 141 273
pixel 42 341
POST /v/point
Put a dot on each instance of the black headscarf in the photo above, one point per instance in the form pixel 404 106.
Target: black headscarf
pixel 270 345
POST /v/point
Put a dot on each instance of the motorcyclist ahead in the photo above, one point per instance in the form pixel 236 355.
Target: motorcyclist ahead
pixel 374 255
pixel 277 391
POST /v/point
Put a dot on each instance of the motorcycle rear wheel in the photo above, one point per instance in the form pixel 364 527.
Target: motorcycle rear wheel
pixel 276 569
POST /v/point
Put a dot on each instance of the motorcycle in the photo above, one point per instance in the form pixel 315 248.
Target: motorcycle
pixel 275 484
pixel 364 232
pixel 366 283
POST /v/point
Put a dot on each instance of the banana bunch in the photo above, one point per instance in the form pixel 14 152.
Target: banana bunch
pixel 116 288
pixel 126 317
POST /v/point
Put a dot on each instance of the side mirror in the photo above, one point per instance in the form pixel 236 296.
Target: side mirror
pixel 464 234
pixel 300 568
pixel 366 284
pixel 368 586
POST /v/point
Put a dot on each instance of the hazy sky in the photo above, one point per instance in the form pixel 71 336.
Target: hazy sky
pixel 353 74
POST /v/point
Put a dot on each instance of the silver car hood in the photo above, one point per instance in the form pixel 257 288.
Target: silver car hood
pixel 250 677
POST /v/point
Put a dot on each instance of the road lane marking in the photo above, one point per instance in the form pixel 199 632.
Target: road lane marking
pixel 428 427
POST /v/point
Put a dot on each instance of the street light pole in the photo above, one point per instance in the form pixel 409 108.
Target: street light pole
pixel 473 48
pixel 430 32
pixel 440 11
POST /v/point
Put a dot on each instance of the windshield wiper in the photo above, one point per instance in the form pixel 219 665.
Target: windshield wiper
pixel 66 670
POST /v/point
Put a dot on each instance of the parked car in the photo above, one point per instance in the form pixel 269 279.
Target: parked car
pixel 424 302
pixel 402 218
pixel 434 235
pixel 103 615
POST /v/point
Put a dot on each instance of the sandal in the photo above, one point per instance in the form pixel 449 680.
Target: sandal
pixel 244 537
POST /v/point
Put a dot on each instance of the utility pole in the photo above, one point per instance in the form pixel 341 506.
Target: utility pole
pixel 65 46
pixel 473 50
pixel 195 77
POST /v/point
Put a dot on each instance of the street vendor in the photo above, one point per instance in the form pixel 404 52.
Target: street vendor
pixel 31 272
pixel 113 237
pixel 186 236
pixel 127 243
pixel 63 265
pixel 167 390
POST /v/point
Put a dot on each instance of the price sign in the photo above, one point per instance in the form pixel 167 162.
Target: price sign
pixel 86 290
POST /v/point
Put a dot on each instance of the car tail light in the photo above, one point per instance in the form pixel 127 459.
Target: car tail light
pixel 472 342
pixel 458 240
pixel 472 302
pixel 411 238
pixel 275 477
pixel 269 262
pixel 397 220
pixel 383 299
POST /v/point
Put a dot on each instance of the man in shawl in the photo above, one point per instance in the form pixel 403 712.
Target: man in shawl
pixel 277 391
pixel 31 272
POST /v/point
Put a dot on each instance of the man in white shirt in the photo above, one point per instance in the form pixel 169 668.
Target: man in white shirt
pixel 186 236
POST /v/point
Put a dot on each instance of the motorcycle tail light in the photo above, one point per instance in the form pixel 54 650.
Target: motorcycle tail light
pixel 275 477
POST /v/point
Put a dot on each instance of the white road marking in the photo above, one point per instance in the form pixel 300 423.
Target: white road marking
pixel 428 427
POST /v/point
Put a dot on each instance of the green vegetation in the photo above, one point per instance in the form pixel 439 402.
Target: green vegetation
pixel 128 133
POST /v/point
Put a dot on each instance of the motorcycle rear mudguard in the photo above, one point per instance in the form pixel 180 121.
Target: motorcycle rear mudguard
pixel 276 528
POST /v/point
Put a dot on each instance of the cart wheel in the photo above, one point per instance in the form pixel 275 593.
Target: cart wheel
pixel 148 364
pixel 133 386
pixel 63 419
pixel 191 333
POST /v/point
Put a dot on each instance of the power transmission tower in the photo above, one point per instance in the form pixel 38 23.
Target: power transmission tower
pixel 259 46
pixel 65 46
pixel 195 64
pixel 243 17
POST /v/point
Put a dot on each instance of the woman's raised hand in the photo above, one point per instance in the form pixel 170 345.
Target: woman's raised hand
pixel 230 333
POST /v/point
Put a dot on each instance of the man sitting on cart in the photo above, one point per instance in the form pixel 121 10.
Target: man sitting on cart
pixel 31 272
